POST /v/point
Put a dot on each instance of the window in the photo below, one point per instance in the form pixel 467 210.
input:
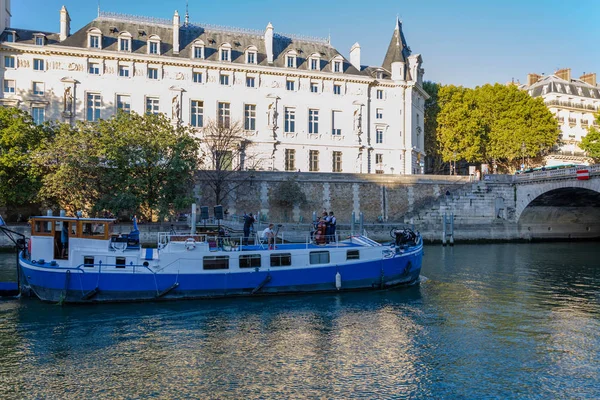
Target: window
pixel 199 51
pixel 197 117
pixel 216 262
pixel 224 79
pixel 337 66
pixel 378 158
pixel 224 115
pixel 337 89
pixel 153 47
pixel 314 87
pixel 153 73
pixel 94 68
pixel 250 80
pixel 319 257
pixel 313 121
pixel 197 77
pixel 38 88
pixel 88 261
pixel 120 262
pixel 9 61
pixel 281 260
pixel 314 64
pixel 225 52
pixel 379 135
pixel 250 117
pixel 10 37
pixel 94 41
pixel 93 104
pixel 124 103
pixel 251 57
pixel 290 159
pixel 313 160
pixel 353 255
pixel 379 113
pixel 124 44
pixel 379 94
pixel 9 86
pixel 290 120
pixel 379 74
pixel 336 118
pixel 124 71
pixel 38 114
pixel 250 261
pixel 38 64
pixel 337 161
pixel 290 61
pixel 290 85
pixel 152 105
pixel 40 40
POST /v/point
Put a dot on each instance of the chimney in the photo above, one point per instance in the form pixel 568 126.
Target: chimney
pixel 355 55
pixel 564 73
pixel 176 23
pixel 590 78
pixel 532 78
pixel 65 24
pixel 269 43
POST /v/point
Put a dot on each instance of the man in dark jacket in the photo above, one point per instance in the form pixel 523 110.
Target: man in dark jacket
pixel 248 225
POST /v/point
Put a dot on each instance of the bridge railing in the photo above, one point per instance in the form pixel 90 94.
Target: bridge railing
pixel 556 173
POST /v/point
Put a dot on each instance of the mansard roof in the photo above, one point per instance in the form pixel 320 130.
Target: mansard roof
pixel 213 38
pixel 553 84
pixel 398 50
pixel 28 36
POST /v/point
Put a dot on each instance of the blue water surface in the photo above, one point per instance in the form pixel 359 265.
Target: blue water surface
pixel 489 321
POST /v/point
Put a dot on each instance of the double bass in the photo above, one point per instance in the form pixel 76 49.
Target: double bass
pixel 320 232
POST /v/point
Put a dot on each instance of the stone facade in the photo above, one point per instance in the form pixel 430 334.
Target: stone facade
pixel 302 104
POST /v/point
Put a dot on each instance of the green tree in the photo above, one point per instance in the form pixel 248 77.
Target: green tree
pixel 435 161
pixel 130 163
pixel 591 142
pixel 19 138
pixel 288 194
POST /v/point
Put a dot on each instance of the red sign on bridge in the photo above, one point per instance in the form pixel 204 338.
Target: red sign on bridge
pixel 583 174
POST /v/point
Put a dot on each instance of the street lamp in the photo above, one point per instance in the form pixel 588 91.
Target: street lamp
pixel 523 154
pixel 454 169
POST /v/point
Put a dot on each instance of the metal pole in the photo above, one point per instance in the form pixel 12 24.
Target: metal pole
pixel 352 222
pixel 444 230
pixel 193 224
pixel 452 229
pixel 361 223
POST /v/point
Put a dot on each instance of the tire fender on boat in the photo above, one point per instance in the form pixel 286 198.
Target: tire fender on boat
pixel 190 244
pixel 338 281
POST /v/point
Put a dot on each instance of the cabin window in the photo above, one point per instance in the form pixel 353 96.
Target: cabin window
pixel 43 227
pixel 250 261
pixel 88 261
pixel 93 229
pixel 319 257
pixel 216 262
pixel 281 260
pixel 120 262
pixel 353 255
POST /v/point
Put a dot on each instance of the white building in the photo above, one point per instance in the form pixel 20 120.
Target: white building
pixel 302 103
pixel 574 103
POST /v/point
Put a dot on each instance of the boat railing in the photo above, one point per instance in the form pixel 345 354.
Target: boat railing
pixel 86 268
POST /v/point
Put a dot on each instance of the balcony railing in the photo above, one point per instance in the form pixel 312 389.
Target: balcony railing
pixel 570 104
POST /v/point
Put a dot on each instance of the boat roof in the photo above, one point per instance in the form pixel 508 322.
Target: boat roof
pixel 46 217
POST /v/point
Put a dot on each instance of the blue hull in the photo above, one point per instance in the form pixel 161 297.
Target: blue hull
pixel 73 285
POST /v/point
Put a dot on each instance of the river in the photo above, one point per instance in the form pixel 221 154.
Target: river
pixel 488 321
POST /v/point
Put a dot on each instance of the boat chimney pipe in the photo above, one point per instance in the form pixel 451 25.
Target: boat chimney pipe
pixel 193 221
pixel 352 222
pixel 361 223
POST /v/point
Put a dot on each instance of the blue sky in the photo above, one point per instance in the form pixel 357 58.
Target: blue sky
pixel 462 42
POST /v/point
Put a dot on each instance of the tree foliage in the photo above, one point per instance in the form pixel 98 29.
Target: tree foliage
pixel 493 123
pixel 288 193
pixel 591 142
pixel 225 152
pixel 127 164
pixel 19 137
pixel 432 146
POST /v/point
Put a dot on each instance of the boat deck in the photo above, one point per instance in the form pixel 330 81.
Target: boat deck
pixel 300 246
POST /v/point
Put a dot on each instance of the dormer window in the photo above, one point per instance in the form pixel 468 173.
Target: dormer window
pixel 378 74
pixel 315 62
pixel 290 59
pixel 225 52
pixel 40 40
pixel 251 55
pixel 125 42
pixel 154 45
pixel 95 38
pixel 11 36
pixel 198 50
pixel 337 66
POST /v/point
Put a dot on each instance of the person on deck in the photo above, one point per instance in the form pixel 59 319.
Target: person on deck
pixel 269 235
pixel 248 225
pixel 332 222
pixel 326 220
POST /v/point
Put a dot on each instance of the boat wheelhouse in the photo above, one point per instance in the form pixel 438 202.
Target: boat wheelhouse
pixel 83 260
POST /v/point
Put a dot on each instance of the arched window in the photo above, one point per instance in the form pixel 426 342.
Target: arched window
pixel 94 38
pixel 314 62
pixel 40 39
pixel 337 64
pixel 291 59
pixel 252 55
pixel 198 50
pixel 125 42
pixel 154 44
pixel 225 52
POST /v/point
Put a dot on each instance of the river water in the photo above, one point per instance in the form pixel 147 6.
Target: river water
pixel 489 321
